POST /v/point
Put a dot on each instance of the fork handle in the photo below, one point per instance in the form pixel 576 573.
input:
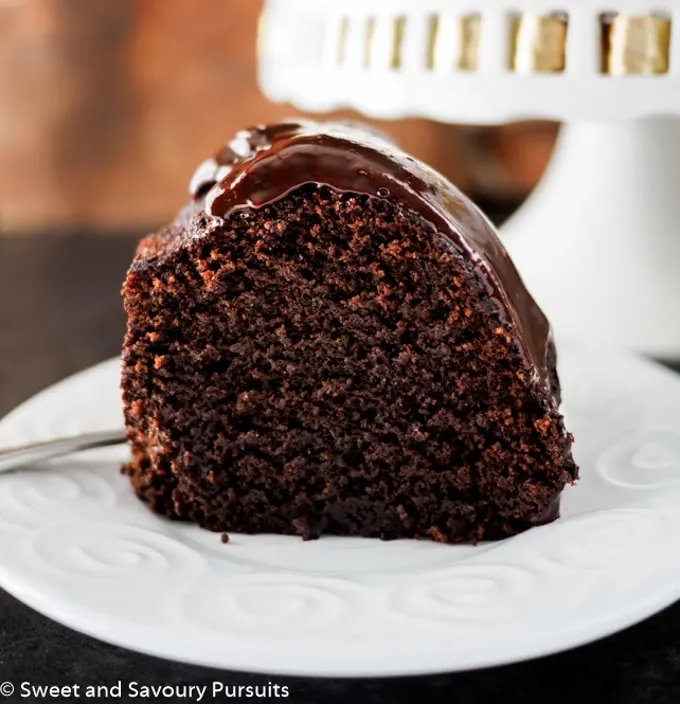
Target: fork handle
pixel 15 457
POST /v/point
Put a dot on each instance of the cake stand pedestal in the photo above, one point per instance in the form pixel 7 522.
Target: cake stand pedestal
pixel 598 242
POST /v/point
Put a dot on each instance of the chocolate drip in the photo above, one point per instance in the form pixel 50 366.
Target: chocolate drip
pixel 264 164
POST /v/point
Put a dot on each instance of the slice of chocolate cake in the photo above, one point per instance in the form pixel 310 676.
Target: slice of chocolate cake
pixel 330 338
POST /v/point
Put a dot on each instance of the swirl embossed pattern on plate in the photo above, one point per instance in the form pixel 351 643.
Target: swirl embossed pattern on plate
pixel 607 541
pixel 269 602
pixel 115 552
pixel 33 498
pixel 470 591
pixel 648 460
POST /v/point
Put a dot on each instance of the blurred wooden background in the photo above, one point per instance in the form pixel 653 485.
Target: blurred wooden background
pixel 107 106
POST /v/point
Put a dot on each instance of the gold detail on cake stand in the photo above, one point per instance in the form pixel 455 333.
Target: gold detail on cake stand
pixel 631 45
pixel 453 42
pixel 396 60
pixel 635 45
pixel 370 48
pixel 335 42
pixel 539 43
pixel 385 40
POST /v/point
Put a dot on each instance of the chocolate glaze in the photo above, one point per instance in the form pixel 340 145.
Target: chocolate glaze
pixel 550 513
pixel 264 164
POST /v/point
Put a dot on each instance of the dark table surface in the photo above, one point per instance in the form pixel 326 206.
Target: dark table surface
pixel 59 313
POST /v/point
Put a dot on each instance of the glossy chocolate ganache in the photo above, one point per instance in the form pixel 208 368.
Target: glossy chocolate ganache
pixel 265 163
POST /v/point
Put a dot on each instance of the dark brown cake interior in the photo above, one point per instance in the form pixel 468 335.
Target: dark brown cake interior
pixel 327 363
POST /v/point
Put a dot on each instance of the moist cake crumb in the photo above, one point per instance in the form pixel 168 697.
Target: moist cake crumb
pixel 330 339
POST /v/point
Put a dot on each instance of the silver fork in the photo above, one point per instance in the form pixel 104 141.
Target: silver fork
pixel 16 457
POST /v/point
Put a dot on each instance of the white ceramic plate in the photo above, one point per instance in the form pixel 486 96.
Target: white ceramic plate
pixel 76 545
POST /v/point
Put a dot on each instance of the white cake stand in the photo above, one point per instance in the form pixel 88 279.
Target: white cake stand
pixel 597 243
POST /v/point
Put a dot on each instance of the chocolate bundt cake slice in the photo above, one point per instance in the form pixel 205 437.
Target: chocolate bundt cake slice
pixel 330 338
